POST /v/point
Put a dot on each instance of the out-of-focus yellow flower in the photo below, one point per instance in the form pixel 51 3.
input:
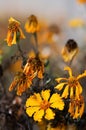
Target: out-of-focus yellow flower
pixel 31 25
pixel 34 66
pixel 14 32
pixel 70 50
pixel 76 107
pixel 72 85
pixel 76 22
pixel 39 105
pixel 21 82
pixel 81 1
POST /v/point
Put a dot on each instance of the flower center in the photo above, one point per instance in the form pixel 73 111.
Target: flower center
pixel 13 26
pixel 45 105
pixel 72 82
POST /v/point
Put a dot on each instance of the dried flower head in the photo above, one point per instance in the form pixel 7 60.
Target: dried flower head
pixel 31 25
pixel 72 85
pixel 14 32
pixel 34 66
pixel 70 50
pixel 21 82
pixel 76 107
pixel 40 105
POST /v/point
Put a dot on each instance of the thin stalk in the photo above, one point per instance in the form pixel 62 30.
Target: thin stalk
pixel 36 42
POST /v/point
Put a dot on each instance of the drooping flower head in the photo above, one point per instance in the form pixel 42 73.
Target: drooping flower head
pixel 34 65
pixel 31 25
pixel 21 82
pixel 40 105
pixel 14 32
pixel 70 50
pixel 70 85
pixel 76 107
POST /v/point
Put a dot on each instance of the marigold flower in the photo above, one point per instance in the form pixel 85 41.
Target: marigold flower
pixel 40 105
pixel 81 1
pixel 34 65
pixel 14 32
pixel 70 50
pixel 71 84
pixel 21 82
pixel 31 25
pixel 76 107
pixel 76 22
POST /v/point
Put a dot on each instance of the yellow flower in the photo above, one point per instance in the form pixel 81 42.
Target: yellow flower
pixel 81 1
pixel 72 85
pixel 34 66
pixel 31 25
pixel 76 107
pixel 40 105
pixel 14 32
pixel 76 23
pixel 21 82
pixel 70 50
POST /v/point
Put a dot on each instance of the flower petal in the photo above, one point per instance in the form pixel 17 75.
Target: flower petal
pixel 49 114
pixel 60 86
pixel 81 75
pixel 45 94
pixel 34 100
pixel 38 115
pixel 56 101
pixel 71 92
pixel 69 70
pixel 65 92
pixel 31 110
pixel 59 79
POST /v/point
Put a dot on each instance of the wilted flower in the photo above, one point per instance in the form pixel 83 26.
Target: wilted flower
pixel 81 1
pixel 31 25
pixel 21 82
pixel 34 66
pixel 72 85
pixel 76 107
pixel 40 105
pixel 76 22
pixel 14 32
pixel 70 50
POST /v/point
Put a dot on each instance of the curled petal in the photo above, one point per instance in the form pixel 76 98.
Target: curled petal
pixel 60 86
pixel 59 79
pixel 65 92
pixel 81 75
pixel 69 70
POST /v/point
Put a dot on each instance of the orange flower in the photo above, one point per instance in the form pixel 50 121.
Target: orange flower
pixel 76 107
pixel 14 32
pixel 31 25
pixel 21 82
pixel 34 66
